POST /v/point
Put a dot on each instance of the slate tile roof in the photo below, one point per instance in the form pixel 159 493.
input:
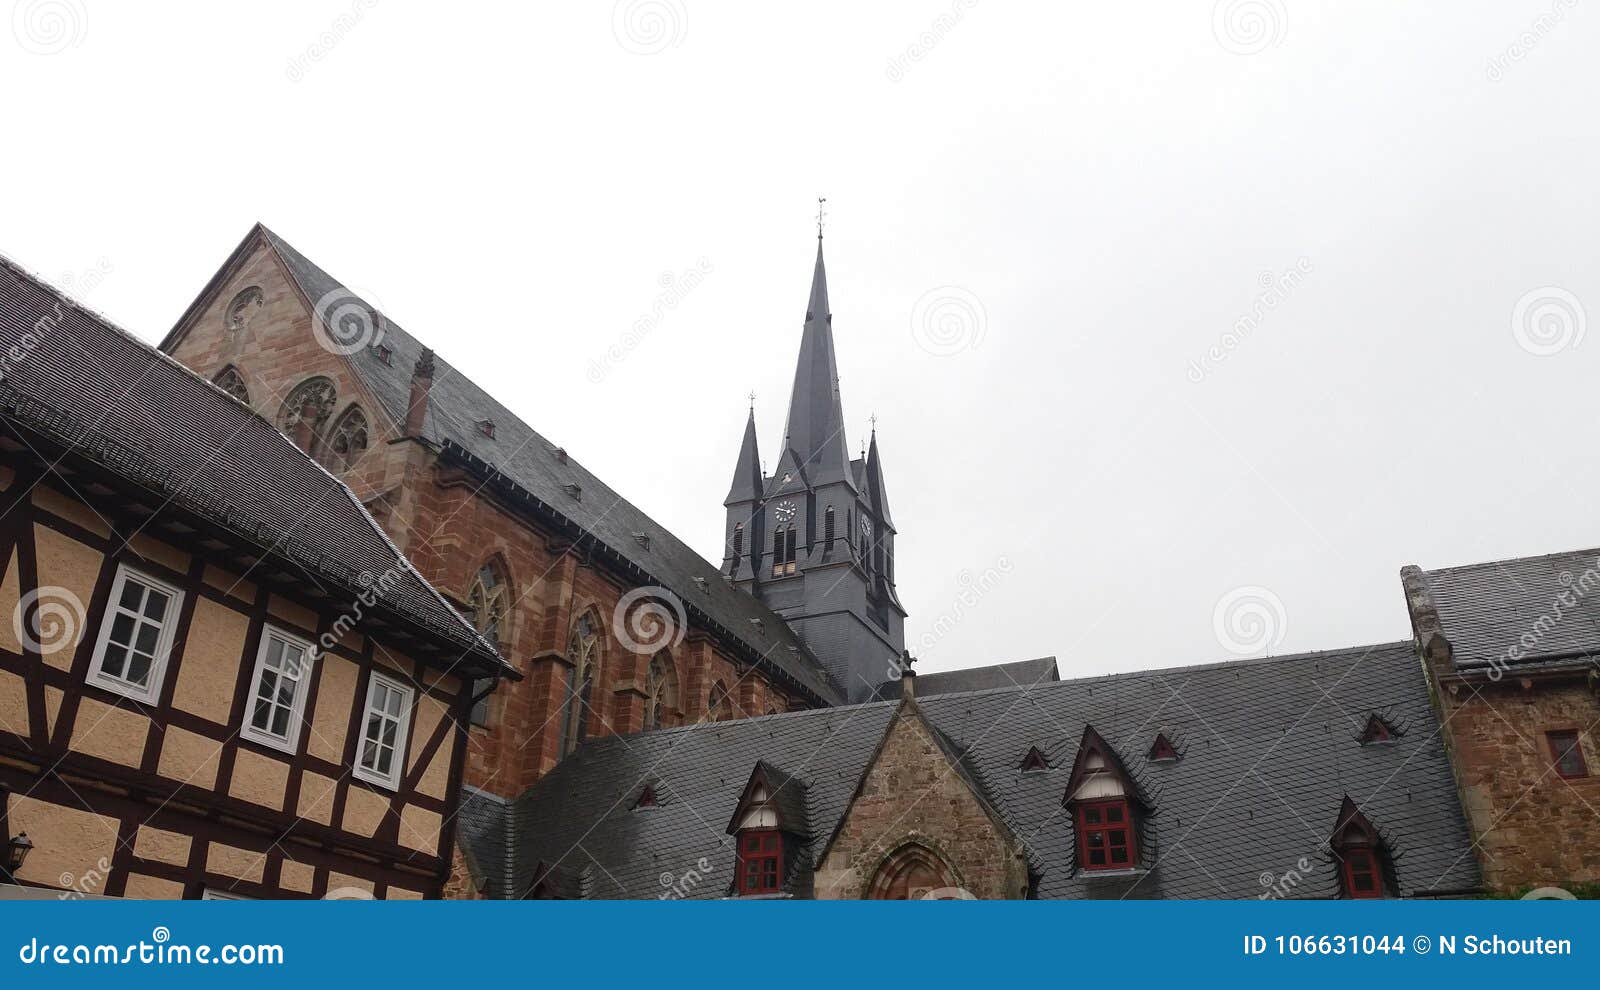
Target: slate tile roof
pixel 456 405
pixel 1269 754
pixel 1021 673
pixel 81 382
pixel 1544 608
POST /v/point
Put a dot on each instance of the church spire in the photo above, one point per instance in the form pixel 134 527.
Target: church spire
pixel 746 485
pixel 815 429
pixel 875 493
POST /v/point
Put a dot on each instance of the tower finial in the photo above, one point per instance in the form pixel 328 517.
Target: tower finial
pixel 822 214
pixel 752 400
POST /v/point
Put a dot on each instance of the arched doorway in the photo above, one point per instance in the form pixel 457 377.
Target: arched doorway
pixel 911 874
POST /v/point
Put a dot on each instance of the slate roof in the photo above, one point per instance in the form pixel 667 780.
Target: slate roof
pixel 1269 754
pixel 521 455
pixel 76 380
pixel 1024 673
pixel 1524 610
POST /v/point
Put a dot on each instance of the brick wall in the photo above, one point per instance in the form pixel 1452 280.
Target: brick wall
pixel 1533 828
pixel 911 794
pixel 449 529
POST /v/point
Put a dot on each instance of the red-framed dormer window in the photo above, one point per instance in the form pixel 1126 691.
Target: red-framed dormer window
pixel 760 868
pixel 1105 835
pixel 1361 876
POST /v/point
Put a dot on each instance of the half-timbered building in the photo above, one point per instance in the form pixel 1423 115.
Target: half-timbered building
pixel 218 676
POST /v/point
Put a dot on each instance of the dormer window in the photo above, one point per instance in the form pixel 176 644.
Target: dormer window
pixel 760 869
pixel 1162 750
pixel 1034 761
pixel 1105 835
pixel 1361 854
pixel 647 798
pixel 1106 807
pixel 1377 730
pixel 769 815
pixel 486 427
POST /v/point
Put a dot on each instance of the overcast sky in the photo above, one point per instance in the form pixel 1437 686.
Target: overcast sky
pixel 1043 218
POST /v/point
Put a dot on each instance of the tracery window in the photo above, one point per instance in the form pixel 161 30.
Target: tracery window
pixel 231 382
pixel 661 691
pixel 487 599
pixel 348 441
pixel 583 657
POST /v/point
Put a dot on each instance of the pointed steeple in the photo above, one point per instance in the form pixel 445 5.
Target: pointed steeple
pixel 815 430
pixel 747 479
pixel 875 490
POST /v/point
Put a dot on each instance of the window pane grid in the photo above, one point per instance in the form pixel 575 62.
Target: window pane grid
pixel 383 731
pixel 134 636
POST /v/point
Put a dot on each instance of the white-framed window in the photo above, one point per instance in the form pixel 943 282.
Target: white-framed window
pixel 384 728
pixel 278 690
pixel 130 655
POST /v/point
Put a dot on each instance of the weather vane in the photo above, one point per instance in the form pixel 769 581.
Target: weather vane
pixel 822 214
pixel 752 400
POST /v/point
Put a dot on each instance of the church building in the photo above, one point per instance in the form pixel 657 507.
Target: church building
pixel 624 718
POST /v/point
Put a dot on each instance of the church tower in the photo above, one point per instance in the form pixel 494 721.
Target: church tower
pixel 815 540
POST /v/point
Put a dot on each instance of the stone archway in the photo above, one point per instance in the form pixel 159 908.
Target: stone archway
pixel 912 873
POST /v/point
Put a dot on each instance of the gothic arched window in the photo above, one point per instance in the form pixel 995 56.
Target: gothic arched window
pixel 738 545
pixel 487 599
pixel 827 528
pixel 661 692
pixel 312 400
pixel 231 382
pixel 583 657
pixel 348 440
pixel 717 706
pixel 911 874
pixel 788 550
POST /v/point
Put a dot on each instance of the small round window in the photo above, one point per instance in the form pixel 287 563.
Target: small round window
pixel 244 307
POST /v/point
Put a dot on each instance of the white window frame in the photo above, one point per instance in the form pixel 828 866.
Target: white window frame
pixel 297 709
pixel 402 735
pixel 169 624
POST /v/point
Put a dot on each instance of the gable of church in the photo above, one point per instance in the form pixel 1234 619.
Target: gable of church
pixel 917 826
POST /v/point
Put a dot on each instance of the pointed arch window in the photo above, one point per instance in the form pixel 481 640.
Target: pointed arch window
pixel 912 874
pixel 583 657
pixel 487 598
pixel 736 543
pixel 783 550
pixel 231 382
pixel 718 706
pixel 661 692
pixel 827 527
pixel 348 440
pixel 312 400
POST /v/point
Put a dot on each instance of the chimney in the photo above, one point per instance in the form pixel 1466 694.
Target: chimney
pixel 421 385
pixel 908 677
pixel 305 425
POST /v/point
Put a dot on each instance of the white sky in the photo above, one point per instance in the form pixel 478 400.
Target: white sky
pixel 1109 181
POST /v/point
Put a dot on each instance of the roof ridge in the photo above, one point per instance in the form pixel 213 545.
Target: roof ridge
pixel 1455 568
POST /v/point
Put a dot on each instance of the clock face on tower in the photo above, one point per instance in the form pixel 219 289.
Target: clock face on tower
pixel 785 510
pixel 866 530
